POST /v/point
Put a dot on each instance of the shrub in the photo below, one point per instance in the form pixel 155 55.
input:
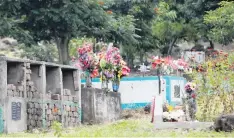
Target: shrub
pixel 215 83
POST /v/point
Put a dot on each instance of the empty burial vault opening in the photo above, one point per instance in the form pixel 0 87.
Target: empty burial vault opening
pixel 15 73
pixel 68 80
pixel 53 80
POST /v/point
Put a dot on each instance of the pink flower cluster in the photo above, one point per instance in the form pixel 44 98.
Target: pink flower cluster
pixel 113 56
pixel 86 60
pixel 190 86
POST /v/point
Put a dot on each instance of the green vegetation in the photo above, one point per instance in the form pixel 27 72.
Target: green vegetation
pixel 137 26
pixel 215 83
pixel 126 128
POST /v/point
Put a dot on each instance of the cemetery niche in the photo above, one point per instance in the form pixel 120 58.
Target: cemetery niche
pixel 33 95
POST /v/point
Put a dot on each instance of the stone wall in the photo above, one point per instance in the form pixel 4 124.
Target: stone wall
pixel 99 106
pixel 34 94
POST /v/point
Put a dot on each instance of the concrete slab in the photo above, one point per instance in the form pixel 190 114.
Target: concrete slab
pixel 183 125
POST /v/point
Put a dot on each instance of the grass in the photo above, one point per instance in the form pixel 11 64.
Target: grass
pixel 125 128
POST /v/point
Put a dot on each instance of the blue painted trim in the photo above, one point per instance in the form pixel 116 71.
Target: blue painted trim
pixel 133 105
pixel 138 78
pixel 168 89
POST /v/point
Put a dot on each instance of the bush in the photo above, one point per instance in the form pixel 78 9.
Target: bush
pixel 215 83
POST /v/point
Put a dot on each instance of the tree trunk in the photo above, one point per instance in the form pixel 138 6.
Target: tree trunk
pixel 171 46
pixel 62 45
pixel 141 56
pixel 211 44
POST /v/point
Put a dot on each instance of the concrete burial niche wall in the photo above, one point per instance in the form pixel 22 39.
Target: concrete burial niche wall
pixel 31 95
pixel 99 106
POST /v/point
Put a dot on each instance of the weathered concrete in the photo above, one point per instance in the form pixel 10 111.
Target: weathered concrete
pixel 28 82
pixel 99 106
pixel 183 125
pixel 11 125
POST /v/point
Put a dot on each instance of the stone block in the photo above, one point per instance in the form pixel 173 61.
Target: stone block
pixel 48 111
pixel 75 99
pixel 20 88
pixel 16 94
pixel 29 116
pixel 55 96
pixel 33 89
pixel 33 122
pixel 30 127
pixel 30 83
pixel 11 87
pixel 59 112
pixel 40 118
pixel 35 117
pixel 50 117
pixel 70 114
pixel 28 77
pixel 10 93
pixel 30 111
pixel 35 95
pixel 34 111
pixel 28 71
pixel 39 124
pixel 29 94
pixel 39 112
pixel 75 114
pixel 27 65
pixel 36 105
pixel 30 105
pixel 67 92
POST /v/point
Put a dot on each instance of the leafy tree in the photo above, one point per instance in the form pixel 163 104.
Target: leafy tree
pixel 193 11
pixel 58 20
pixel 167 27
pixel 144 13
pixel 221 21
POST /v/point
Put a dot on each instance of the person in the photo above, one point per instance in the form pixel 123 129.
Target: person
pixel 191 101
